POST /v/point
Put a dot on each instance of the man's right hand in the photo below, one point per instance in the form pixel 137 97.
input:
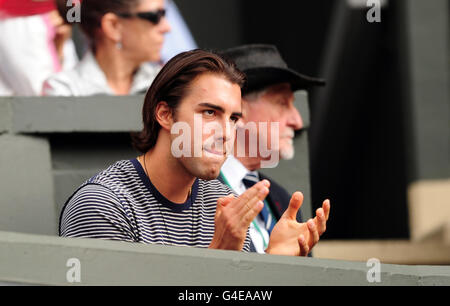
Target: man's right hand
pixel 234 216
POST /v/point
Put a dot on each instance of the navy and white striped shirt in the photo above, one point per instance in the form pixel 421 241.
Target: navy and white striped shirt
pixel 121 203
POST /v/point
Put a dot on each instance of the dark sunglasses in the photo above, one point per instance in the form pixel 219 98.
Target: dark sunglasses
pixel 153 16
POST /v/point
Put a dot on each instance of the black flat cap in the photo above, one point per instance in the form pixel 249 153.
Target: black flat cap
pixel 264 66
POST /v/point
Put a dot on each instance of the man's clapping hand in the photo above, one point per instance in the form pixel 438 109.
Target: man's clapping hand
pixel 292 238
pixel 234 215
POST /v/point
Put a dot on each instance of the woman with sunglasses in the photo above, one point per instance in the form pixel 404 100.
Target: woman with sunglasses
pixel 124 35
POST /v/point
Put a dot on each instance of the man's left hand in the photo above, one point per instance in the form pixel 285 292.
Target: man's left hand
pixel 297 239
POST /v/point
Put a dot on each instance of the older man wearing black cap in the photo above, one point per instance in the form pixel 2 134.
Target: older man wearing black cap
pixel 268 98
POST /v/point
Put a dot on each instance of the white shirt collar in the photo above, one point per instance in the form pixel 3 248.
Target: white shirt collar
pixel 91 72
pixel 89 69
pixel 234 171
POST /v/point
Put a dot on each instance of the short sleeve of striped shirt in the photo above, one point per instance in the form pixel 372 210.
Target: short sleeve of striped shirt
pixel 95 212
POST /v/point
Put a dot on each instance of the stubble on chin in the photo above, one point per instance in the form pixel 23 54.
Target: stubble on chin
pixel 209 174
pixel 202 170
pixel 287 153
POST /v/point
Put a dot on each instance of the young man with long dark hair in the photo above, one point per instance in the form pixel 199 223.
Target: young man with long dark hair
pixel 168 198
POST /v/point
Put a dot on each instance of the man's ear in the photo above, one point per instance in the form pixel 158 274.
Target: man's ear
pixel 111 27
pixel 164 115
pixel 245 110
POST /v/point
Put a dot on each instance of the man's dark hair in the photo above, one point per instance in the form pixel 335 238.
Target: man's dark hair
pixel 172 84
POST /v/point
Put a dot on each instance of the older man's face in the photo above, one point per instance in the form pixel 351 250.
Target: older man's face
pixel 276 104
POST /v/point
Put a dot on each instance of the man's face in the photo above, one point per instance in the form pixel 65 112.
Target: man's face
pixel 211 110
pixel 276 104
